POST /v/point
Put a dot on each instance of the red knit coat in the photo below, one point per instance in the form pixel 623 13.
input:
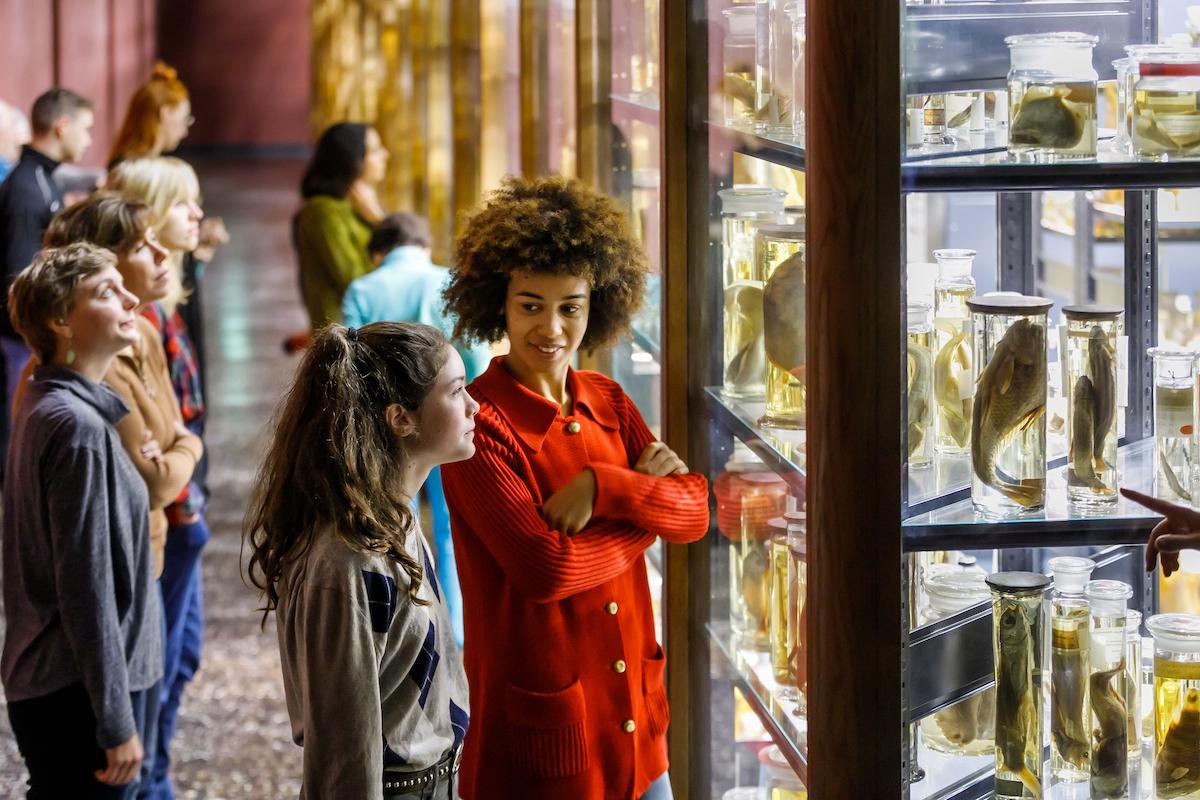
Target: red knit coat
pixel 566 677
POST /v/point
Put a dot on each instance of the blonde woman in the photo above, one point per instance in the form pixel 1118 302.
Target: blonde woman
pixel 170 189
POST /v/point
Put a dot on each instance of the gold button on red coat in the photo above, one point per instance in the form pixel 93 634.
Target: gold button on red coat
pixel 574 427
pixel 611 608
pixel 618 666
pixel 630 726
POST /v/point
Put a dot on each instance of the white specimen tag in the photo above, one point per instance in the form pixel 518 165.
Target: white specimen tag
pixel 1122 371
pixel 1107 647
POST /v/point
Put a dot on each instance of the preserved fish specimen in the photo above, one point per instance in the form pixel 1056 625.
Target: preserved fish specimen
pixel 1107 691
pixel 1176 705
pixel 952 381
pixel 1008 426
pixel 743 209
pixel 779 255
pixel 1017 632
pixel 789 583
pixel 738 53
pixel 748 496
pixel 1092 413
pixel 1174 421
pixel 1165 116
pixel 756 585
pixel 1069 729
pixel 968 727
pixel 920 386
pixel 1052 95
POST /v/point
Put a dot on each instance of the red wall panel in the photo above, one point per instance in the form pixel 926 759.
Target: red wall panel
pixel 246 65
pixel 26 51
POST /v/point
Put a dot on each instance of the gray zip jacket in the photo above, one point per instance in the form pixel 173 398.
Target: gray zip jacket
pixel 373 681
pixel 80 600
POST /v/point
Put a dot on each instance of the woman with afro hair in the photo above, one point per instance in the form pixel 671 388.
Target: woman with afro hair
pixel 552 515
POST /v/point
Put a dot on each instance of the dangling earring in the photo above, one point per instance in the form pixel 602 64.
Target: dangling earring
pixel 70 351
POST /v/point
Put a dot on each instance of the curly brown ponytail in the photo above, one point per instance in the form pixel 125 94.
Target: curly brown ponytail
pixel 333 461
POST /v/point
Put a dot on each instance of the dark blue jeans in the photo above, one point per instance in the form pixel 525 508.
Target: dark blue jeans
pixel 56 735
pixel 183 609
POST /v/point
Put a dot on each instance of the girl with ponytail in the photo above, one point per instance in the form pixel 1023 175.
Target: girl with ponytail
pixel 373 680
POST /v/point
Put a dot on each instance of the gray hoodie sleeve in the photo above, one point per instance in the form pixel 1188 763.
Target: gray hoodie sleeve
pixel 339 674
pixel 82 541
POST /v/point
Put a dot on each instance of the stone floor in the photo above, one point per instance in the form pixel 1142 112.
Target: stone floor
pixel 233 739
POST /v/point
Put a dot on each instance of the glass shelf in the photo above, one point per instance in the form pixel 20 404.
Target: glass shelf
pixel 751 672
pixel 781 450
pixel 960 527
pixel 644 105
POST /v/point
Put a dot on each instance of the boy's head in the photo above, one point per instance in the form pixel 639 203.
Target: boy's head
pixel 399 230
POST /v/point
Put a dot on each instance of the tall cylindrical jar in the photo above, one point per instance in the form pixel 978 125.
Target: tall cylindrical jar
pixel 1052 96
pixel 1090 386
pixel 952 378
pixel 966 728
pixel 1069 725
pixel 1176 705
pixel 1133 682
pixel 796 15
pixel 743 209
pixel 756 577
pixel 779 254
pixel 1174 421
pixel 790 581
pixel 1107 692
pixel 1123 66
pixel 1017 630
pixel 738 55
pixel 920 386
pixel 1008 421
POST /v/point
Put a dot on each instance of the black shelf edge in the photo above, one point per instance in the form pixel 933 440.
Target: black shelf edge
pixel 785 153
pixel 938 176
pixel 734 416
pixel 754 692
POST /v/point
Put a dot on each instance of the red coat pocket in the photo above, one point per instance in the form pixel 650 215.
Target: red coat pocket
pixel 658 713
pixel 547 734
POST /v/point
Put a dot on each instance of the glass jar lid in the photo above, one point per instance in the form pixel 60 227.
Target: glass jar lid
pixel 740 20
pixel 1167 56
pixel 1010 303
pixel 1018 582
pixel 1070 573
pixel 1093 312
pixel 951 591
pixel 1171 353
pixel 1133 621
pixel 918 317
pixel 750 199
pixel 1108 598
pixel 1179 632
pixel 1067 38
pixel 785 232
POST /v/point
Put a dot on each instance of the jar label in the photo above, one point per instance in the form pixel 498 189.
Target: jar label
pixel 1176 670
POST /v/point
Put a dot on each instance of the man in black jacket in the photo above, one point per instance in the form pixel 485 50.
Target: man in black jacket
pixel 61 123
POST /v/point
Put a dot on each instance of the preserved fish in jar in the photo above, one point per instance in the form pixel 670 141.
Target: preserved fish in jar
pixel 754 564
pixel 788 587
pixel 1052 96
pixel 1174 421
pixel 1008 421
pixel 1107 692
pixel 966 728
pixel 779 255
pixel 1090 386
pixel 1070 744
pixel 1176 705
pixel 1017 630
pixel 1165 117
pixel 920 386
pixel 738 56
pixel 743 209
pixel 952 379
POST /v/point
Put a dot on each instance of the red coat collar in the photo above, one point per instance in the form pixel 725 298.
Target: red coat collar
pixel 532 416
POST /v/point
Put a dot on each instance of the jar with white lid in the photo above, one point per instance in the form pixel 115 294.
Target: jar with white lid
pixel 1174 421
pixel 1176 704
pixel 1107 694
pixel 1052 96
pixel 1069 728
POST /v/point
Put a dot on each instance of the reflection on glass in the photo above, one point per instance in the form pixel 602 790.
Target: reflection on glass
pixel 779 257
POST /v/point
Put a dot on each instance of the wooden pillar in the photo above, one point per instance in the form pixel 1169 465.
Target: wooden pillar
pixel 535 41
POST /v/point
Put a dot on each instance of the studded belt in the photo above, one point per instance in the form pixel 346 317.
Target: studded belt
pixel 395 782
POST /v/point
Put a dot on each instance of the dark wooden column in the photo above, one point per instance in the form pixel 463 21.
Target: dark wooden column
pixel 854 325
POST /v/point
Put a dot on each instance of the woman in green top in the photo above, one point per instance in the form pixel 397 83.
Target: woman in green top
pixel 331 229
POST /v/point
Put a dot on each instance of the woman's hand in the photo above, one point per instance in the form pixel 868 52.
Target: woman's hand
pixel 659 461
pixel 570 508
pixel 365 201
pixel 181 429
pixel 151 450
pixel 124 763
pixel 213 234
pixel 1179 530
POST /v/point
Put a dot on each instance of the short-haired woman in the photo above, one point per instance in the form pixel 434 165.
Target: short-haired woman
pixel 332 227
pixel 552 516
pixel 372 674
pixel 82 651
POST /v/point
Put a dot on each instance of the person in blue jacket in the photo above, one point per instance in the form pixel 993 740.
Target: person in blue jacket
pixel 407 286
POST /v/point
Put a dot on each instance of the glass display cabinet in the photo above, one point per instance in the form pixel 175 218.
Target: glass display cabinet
pixel 883 431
